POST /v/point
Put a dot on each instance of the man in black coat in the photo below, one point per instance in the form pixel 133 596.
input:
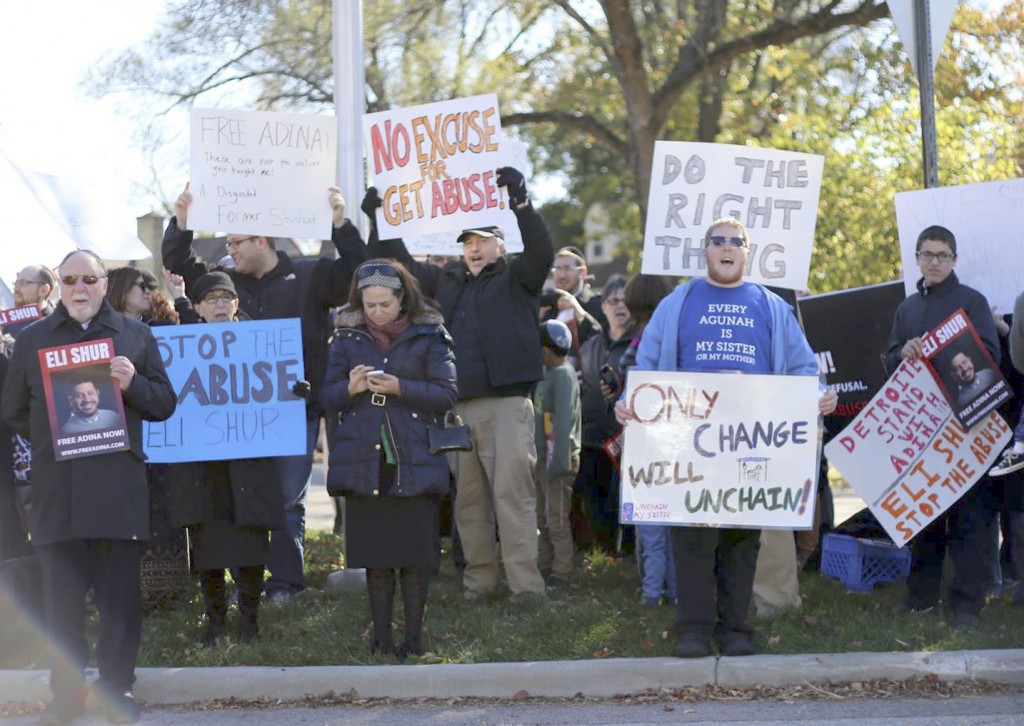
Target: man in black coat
pixel 490 309
pixel 89 514
pixel 270 285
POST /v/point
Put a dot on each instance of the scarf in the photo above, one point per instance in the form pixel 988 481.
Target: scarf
pixel 384 334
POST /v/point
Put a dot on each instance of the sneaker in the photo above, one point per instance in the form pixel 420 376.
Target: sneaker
pixel 965 622
pixel 692 645
pixel 121 708
pixel 64 709
pixel 652 602
pixel 1011 462
pixel 736 644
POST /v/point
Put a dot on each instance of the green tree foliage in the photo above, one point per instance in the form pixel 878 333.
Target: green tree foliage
pixel 592 83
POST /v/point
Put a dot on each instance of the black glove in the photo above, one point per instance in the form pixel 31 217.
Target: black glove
pixel 516 184
pixel 302 389
pixel 371 203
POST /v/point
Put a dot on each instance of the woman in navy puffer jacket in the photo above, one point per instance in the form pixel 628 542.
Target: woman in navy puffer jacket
pixel 379 457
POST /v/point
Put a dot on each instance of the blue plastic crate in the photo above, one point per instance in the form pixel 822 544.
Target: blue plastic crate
pixel 860 564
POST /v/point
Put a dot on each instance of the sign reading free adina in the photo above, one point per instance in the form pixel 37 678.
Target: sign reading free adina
pixel 234 386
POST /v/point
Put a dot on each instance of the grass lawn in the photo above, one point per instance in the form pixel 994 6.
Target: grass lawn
pixel 600 616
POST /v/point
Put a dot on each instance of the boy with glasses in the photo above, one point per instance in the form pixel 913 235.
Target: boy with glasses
pixel 967 527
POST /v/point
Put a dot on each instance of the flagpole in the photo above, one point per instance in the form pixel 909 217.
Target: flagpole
pixel 350 104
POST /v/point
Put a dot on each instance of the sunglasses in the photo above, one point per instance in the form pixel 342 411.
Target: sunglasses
pixel 374 268
pixel 72 280
pixel 718 241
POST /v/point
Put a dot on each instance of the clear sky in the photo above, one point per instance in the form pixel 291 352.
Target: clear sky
pixel 47 123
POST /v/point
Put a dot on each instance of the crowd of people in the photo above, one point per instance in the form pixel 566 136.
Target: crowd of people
pixel 522 349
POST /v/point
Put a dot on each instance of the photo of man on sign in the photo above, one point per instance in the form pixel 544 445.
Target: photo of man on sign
pixel 86 414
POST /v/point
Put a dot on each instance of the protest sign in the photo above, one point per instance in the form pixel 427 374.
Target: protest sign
pixel 434 166
pixel 773 193
pixel 908 457
pixel 261 173
pixel 848 331
pixel 965 372
pixel 234 387
pixel 977 215
pixel 22 314
pixel 720 449
pixel 83 400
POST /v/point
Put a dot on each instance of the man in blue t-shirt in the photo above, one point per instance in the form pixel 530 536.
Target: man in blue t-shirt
pixel 721 324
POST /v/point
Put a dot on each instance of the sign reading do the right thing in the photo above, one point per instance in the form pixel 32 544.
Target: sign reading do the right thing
pixel 774 193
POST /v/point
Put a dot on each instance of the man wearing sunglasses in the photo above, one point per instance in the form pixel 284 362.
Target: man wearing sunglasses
pixel 90 515
pixel 721 324
pixel 967 526
pixel 490 308
pixel 270 285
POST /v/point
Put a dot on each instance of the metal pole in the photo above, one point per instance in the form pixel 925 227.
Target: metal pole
pixel 926 81
pixel 350 105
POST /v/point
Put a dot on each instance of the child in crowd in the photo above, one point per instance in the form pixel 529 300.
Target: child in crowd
pixel 556 401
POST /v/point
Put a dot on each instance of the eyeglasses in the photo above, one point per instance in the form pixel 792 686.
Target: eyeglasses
pixel 718 241
pixel 232 244
pixel 21 282
pixel 72 280
pixel 615 300
pixel 213 299
pixel 565 268
pixel 932 256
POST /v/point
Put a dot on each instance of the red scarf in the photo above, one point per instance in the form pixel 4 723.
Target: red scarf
pixel 386 333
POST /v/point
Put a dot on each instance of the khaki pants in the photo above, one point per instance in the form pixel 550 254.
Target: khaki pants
pixel 494 487
pixel 554 510
pixel 775 581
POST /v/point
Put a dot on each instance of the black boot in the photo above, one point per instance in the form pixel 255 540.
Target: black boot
pixel 249 587
pixel 380 584
pixel 215 598
pixel 415 583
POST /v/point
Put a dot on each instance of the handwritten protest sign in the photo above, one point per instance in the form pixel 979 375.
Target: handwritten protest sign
pixel 22 314
pixel 82 400
pixel 234 386
pixel 261 173
pixel 720 449
pixel 908 457
pixel 773 193
pixel 976 214
pixel 964 370
pixel 434 166
pixel 847 330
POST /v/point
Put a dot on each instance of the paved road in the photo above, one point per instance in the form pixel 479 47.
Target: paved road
pixel 974 711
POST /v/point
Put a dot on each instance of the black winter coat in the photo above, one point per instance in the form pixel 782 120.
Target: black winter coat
pixel 304 289
pixel 506 299
pixel 255 493
pixel 599 422
pixel 422 359
pixel 95 497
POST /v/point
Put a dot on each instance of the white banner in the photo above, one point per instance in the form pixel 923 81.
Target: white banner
pixel 906 455
pixel 434 166
pixel 720 449
pixel 979 216
pixel 262 173
pixel 773 192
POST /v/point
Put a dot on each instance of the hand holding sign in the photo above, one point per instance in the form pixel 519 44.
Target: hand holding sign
pixel 122 370
pixel 371 203
pixel 515 182
pixel 337 203
pixel 181 205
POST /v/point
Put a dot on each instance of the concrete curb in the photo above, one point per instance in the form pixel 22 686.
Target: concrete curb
pixel 550 679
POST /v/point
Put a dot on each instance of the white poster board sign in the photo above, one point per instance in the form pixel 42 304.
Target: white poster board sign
pixel 434 167
pixel 514 154
pixel 720 449
pixel 773 193
pixel 907 456
pixel 262 173
pixel 984 218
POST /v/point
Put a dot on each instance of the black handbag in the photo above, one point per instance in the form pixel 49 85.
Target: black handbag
pixel 452 436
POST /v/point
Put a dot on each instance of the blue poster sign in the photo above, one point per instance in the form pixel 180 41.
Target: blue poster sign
pixel 234 385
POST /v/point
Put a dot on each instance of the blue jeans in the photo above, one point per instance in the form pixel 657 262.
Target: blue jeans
pixel 657 564
pixel 285 558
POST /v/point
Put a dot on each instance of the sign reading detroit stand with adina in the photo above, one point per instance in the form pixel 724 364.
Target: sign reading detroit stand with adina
pixel 234 389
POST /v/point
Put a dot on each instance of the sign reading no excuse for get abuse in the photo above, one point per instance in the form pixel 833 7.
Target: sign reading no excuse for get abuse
pixel 774 193
pixel 720 449
pixel 261 173
pixel 234 387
